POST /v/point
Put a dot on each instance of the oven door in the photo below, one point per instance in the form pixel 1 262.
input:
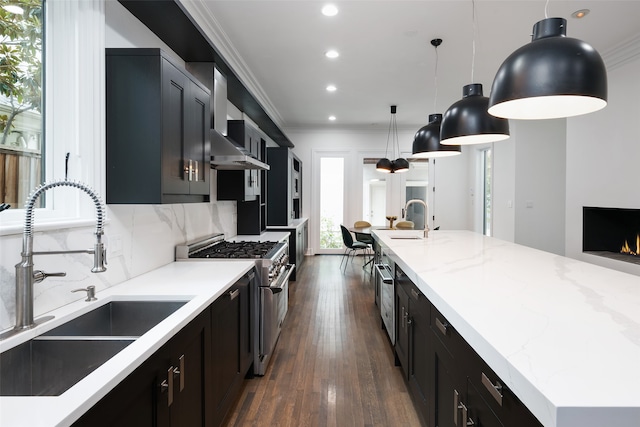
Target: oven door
pixel 274 302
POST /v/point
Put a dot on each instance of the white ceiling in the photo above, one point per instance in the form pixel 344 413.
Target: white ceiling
pixel 385 52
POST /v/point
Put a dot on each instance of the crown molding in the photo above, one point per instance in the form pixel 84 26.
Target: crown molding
pixel 222 43
pixel 626 51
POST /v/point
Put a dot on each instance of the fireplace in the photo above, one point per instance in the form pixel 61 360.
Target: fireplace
pixel 612 233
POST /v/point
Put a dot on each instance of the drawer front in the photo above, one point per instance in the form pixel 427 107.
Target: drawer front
pixel 446 333
pixel 496 396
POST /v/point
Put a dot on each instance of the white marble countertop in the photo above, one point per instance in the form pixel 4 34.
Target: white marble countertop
pixel 564 335
pixel 294 223
pixel 200 283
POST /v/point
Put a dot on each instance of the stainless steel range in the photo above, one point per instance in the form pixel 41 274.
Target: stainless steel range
pixel 273 271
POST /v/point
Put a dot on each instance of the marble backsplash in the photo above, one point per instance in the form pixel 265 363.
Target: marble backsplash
pixel 139 238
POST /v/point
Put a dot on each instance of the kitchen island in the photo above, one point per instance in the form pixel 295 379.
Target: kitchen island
pixel 563 335
pixel 199 283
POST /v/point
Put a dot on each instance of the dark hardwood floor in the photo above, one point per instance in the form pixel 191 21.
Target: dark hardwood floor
pixel 333 365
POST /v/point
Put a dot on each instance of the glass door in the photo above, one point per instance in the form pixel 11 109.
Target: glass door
pixel 328 189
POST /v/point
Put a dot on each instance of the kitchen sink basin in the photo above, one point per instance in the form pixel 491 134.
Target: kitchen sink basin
pixel 48 366
pixel 51 363
pixel 118 318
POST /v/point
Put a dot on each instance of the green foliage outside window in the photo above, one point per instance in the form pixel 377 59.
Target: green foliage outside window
pixel 330 235
pixel 21 34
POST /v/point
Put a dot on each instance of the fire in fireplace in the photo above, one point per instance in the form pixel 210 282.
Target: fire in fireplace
pixel 612 233
pixel 626 249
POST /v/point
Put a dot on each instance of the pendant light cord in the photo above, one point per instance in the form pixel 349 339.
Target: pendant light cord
pixel 395 136
pixel 546 10
pixel 435 81
pixel 386 150
pixel 473 55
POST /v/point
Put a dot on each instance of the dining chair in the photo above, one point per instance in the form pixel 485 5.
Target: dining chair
pixel 405 225
pixel 364 237
pixel 351 246
pixel 361 224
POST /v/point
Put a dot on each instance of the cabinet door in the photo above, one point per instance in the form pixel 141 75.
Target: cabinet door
pixel 247 287
pixel 446 395
pixel 403 325
pixel 197 146
pixel 479 411
pixel 174 93
pixel 188 357
pixel 225 352
pixel 419 350
pixel 130 403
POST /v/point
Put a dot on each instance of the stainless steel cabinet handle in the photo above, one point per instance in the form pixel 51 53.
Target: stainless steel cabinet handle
pixel 464 411
pixel 195 171
pixel 181 372
pixel 415 294
pixel 442 326
pixel 456 406
pixel 233 294
pixel 169 386
pixel 494 390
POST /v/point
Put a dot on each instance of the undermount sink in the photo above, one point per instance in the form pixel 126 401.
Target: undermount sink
pixel 53 362
pixel 118 318
pixel 50 366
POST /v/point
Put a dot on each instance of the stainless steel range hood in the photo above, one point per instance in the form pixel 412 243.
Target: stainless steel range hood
pixel 227 155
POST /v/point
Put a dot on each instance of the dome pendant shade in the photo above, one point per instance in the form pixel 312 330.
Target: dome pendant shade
pixel 400 165
pixel 468 122
pixel 554 76
pixel 384 165
pixel 426 143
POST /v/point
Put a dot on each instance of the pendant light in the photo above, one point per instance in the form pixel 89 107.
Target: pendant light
pixel 467 121
pixel 554 76
pixel 400 164
pixel 426 143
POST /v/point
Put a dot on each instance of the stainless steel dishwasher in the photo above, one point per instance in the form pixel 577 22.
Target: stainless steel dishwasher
pixel 385 282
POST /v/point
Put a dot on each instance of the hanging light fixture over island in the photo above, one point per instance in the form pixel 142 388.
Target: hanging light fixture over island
pixel 400 164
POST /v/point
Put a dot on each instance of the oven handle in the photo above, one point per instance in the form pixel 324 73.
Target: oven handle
pixel 284 277
pixel 385 273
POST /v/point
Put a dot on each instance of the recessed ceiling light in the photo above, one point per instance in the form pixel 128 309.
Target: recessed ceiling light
pixel 332 118
pixel 12 8
pixel 332 54
pixel 331 88
pixel 329 10
pixel 579 14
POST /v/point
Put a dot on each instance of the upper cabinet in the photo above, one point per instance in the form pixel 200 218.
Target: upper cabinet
pixel 158 118
pixel 284 186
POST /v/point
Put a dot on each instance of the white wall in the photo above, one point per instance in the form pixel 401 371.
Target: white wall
pixel 452 203
pixel 603 157
pixel 540 159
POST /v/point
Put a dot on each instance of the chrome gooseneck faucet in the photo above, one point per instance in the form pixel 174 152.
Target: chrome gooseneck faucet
pixel 26 276
pixel 422 202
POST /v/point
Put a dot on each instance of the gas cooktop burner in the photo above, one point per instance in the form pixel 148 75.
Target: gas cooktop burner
pixel 235 250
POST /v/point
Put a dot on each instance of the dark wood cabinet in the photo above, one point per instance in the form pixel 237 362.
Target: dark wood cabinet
pixel 232 353
pixel 158 118
pixel 285 186
pixel 412 346
pixel 166 390
pixel 480 396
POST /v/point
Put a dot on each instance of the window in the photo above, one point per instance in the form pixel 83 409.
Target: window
pixel 331 202
pixel 73 99
pixel 486 191
pixel 21 71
